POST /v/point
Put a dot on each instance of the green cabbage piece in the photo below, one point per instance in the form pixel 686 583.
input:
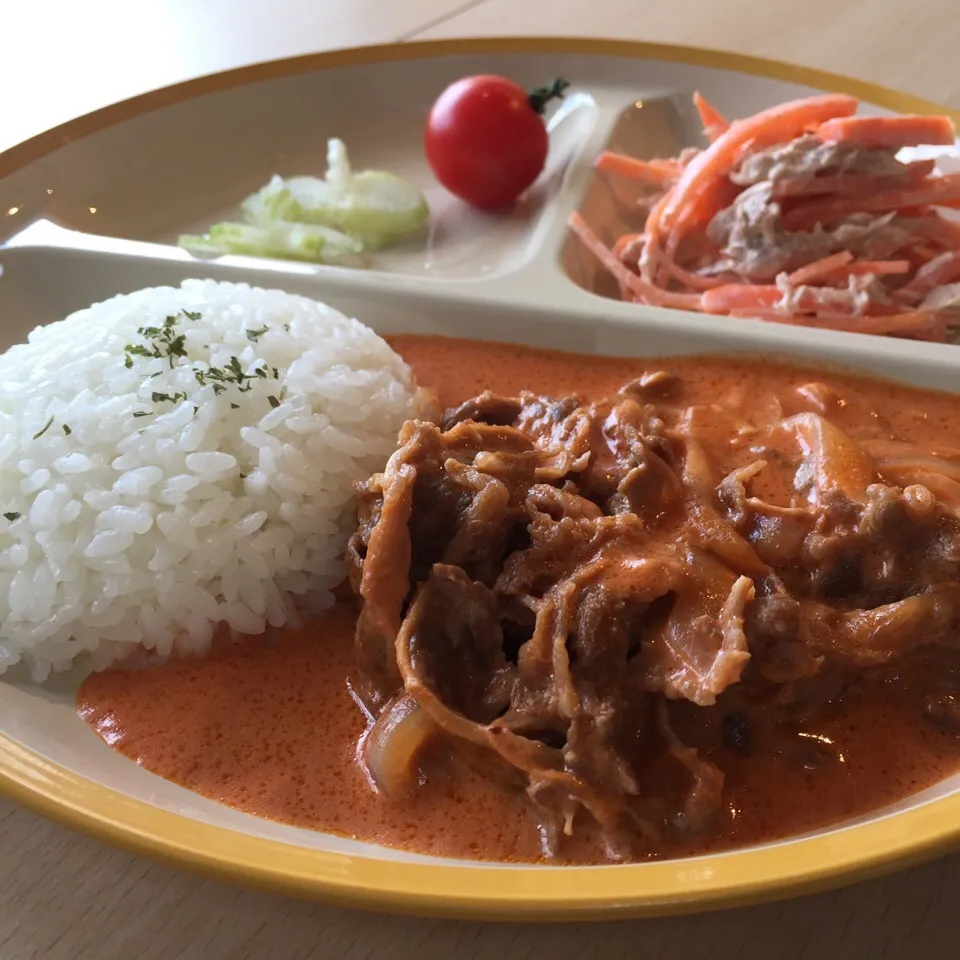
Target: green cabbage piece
pixel 376 207
pixel 297 241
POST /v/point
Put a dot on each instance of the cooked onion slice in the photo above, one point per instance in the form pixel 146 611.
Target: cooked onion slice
pixel 916 464
pixel 833 462
pixel 394 743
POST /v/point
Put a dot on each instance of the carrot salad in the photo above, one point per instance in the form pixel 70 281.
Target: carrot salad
pixel 802 214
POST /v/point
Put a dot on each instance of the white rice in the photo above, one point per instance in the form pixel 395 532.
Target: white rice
pixel 121 531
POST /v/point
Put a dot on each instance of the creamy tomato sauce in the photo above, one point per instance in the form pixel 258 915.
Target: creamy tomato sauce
pixel 272 728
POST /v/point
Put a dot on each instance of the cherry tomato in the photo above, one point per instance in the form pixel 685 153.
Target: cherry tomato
pixel 486 141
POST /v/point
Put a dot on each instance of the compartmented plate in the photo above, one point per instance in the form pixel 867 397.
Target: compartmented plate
pixel 92 210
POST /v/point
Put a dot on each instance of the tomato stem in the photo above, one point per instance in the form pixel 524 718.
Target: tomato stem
pixel 540 97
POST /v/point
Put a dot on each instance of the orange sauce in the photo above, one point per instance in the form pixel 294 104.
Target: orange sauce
pixel 272 729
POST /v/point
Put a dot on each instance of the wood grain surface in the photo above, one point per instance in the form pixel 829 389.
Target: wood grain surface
pixel 65 897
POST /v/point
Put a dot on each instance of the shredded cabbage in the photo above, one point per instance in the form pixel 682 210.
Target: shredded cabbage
pixel 298 241
pixel 321 219
pixel 377 207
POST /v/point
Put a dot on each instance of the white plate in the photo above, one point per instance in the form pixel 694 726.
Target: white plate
pixel 90 210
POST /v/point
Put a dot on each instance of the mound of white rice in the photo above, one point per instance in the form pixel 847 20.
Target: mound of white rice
pixel 145 498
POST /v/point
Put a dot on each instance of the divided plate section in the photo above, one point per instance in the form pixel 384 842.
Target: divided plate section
pixel 42 284
pixel 182 167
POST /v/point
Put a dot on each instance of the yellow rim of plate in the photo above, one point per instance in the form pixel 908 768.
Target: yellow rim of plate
pixel 474 890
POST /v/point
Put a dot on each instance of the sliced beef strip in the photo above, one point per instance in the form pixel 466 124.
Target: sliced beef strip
pixel 459 645
pixel 443 498
pixel 654 384
pixel 489 408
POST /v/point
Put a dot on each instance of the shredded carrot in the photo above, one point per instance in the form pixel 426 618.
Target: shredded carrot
pixel 877 132
pixel 902 239
pixel 779 124
pixel 718 197
pixel 819 268
pixel 937 191
pixel 740 296
pixel 943 269
pixel 715 124
pixel 863 268
pixel 838 266
pixel 939 230
pixel 921 253
pixel 879 268
pixel 803 299
pixel 647 292
pixel 656 173
pixel 620 247
pixel 652 254
pixel 695 281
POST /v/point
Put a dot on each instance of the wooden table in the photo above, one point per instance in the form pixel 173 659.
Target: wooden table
pixel 64 897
